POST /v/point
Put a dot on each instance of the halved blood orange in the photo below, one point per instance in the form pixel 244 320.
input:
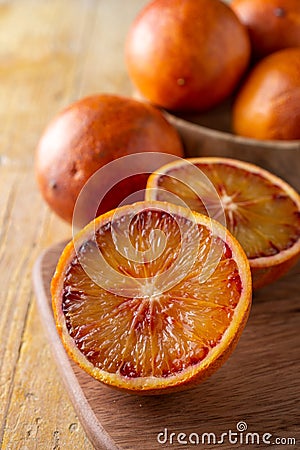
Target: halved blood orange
pixel 262 211
pixel 151 297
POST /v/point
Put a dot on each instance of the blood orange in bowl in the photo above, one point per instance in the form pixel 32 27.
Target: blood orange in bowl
pixel 187 55
pixel 151 297
pixel 267 105
pixel 272 24
pixel 262 211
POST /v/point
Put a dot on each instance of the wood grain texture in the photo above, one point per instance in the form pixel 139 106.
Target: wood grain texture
pixel 259 384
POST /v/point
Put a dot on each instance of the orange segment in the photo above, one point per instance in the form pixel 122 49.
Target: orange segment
pixel 261 210
pixel 150 334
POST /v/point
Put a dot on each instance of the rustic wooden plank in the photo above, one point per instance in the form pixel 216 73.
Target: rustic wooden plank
pixel 40 58
pixel 40 415
pixel 23 222
pixel 103 66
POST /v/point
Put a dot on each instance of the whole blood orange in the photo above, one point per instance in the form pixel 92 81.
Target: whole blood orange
pixel 159 312
pixel 261 210
pixel 89 134
pixel 272 24
pixel 268 104
pixel 187 54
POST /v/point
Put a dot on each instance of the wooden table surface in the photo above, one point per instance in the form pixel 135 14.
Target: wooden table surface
pixel 52 52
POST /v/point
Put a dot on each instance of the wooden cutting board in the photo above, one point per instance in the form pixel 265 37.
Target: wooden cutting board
pixel 259 385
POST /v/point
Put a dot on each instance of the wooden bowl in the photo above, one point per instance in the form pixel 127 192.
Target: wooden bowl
pixel 210 134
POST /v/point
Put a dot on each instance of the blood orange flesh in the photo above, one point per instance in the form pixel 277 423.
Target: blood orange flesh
pixel 173 318
pixel 261 210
